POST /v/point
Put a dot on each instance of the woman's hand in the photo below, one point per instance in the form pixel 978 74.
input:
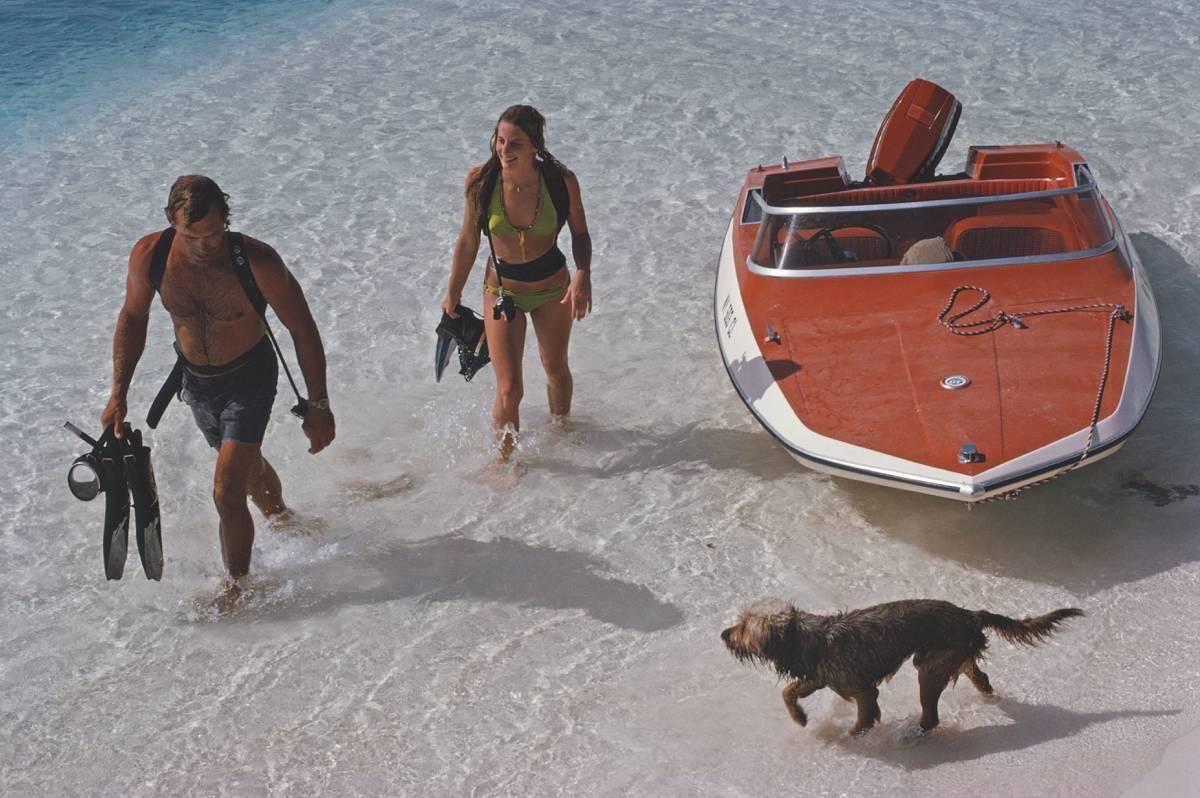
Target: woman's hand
pixel 579 294
pixel 449 303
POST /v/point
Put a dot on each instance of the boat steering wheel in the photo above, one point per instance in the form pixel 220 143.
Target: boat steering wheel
pixel 839 254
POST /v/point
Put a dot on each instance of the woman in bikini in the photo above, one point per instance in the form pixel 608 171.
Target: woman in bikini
pixel 520 199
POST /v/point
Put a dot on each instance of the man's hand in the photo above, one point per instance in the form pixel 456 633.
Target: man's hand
pixel 114 414
pixel 320 428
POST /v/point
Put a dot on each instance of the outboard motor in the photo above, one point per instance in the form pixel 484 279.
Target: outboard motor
pixel 914 135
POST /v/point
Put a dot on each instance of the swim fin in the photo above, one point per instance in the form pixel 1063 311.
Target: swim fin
pixel 118 467
pixel 139 474
pixel 111 470
pixel 448 332
pixel 467 334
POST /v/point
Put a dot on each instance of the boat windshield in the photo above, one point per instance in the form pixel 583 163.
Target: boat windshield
pixel 1042 225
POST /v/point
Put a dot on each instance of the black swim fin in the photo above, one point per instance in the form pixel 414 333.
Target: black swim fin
pixel 448 332
pixel 467 334
pixel 110 467
pixel 139 474
pixel 114 467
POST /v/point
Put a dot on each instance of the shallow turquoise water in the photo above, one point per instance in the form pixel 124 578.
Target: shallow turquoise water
pixel 60 59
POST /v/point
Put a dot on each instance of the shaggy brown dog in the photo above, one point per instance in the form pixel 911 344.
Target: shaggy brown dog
pixel 852 652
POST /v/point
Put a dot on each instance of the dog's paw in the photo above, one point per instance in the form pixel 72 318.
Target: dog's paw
pixel 798 715
pixel 908 734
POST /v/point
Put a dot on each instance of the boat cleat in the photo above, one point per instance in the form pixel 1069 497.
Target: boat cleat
pixel 967 453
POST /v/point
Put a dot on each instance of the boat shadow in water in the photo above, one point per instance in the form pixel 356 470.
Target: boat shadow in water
pixel 1120 520
pixel 456 568
pixel 1031 725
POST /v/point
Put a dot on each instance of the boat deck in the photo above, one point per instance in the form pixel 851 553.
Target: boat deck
pixel 859 366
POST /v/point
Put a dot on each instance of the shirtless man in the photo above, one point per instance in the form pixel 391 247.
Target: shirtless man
pixel 230 368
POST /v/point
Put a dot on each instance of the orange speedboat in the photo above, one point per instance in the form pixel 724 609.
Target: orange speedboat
pixel 961 335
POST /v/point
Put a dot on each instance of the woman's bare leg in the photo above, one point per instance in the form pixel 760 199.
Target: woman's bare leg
pixel 552 326
pixel 506 345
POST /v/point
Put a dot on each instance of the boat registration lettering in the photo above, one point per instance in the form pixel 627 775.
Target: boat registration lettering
pixel 728 317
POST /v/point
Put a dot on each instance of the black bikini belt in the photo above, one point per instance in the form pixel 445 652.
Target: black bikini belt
pixel 539 268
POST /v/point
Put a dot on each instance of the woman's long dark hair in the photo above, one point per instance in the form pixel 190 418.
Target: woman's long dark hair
pixel 531 121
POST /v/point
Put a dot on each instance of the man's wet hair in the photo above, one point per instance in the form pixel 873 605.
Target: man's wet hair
pixel 196 195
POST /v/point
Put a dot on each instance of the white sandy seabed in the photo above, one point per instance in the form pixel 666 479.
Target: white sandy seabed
pixel 440 631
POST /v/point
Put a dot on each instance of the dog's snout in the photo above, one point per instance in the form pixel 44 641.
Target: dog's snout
pixel 725 635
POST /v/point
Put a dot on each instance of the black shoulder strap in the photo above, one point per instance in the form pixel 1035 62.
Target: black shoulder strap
pixel 241 267
pixel 556 185
pixel 158 260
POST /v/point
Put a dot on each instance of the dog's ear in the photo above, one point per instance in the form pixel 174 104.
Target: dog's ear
pixel 777 632
pixel 798 647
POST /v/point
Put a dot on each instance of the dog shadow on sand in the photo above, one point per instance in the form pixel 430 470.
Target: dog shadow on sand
pixel 1031 725
pixel 453 567
pixel 1117 521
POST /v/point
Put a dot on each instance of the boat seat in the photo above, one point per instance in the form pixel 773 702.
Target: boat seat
pixel 1007 236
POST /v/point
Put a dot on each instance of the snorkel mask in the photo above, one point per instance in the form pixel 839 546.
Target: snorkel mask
pixel 83 477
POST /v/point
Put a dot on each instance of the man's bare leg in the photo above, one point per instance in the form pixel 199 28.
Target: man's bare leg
pixel 237 464
pixel 266 491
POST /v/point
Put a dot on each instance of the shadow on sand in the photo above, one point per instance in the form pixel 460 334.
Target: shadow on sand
pixel 691 447
pixel 1117 521
pixel 1031 725
pixel 452 568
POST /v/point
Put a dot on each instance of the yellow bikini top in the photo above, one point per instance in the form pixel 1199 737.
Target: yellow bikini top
pixel 545 221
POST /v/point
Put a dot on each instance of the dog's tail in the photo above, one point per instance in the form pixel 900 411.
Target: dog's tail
pixel 1030 631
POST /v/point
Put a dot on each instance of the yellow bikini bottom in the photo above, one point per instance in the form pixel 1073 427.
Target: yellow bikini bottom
pixel 531 301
